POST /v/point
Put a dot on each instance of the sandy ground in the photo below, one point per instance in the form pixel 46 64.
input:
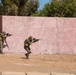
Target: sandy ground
pixel 63 63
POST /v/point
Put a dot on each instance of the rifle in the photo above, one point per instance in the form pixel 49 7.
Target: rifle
pixel 8 35
pixel 35 40
pixel 7 44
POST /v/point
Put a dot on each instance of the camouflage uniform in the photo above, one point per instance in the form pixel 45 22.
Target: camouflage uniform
pixel 27 44
pixel 1 44
pixel 3 37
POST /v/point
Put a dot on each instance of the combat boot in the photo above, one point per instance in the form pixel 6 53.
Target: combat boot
pixel 26 56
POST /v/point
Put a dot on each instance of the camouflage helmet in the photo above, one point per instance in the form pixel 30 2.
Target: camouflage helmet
pixel 4 33
pixel 30 37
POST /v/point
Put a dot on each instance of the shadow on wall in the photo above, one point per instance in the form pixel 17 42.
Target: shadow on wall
pixel 0 24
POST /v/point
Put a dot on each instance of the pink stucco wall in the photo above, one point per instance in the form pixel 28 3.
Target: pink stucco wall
pixel 58 34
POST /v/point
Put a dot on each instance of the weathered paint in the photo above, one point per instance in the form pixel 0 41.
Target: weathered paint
pixel 58 34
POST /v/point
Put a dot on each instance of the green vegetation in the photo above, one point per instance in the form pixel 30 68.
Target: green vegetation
pixel 59 8
pixel 18 7
pixel 55 8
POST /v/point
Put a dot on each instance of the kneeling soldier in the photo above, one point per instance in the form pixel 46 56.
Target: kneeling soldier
pixel 27 44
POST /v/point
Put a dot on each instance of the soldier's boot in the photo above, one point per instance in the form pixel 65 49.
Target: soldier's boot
pixel 26 56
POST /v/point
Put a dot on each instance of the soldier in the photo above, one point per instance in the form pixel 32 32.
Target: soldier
pixel 27 44
pixel 3 37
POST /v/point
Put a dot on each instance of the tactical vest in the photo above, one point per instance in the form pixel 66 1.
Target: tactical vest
pixel 27 42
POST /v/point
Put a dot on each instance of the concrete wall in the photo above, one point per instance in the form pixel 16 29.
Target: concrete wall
pixel 58 34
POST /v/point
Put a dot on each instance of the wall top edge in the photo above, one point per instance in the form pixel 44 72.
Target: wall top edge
pixel 40 17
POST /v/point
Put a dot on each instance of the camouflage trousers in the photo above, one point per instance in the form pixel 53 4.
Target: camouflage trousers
pixel 27 48
pixel 1 47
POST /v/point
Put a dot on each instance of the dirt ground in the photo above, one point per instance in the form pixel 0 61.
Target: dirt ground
pixel 63 63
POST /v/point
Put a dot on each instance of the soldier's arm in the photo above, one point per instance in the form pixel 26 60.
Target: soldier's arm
pixel 7 44
pixel 8 35
pixel 35 40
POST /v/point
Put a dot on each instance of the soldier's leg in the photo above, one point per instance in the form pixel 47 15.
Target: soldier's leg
pixel 26 48
pixel 28 51
pixel 1 48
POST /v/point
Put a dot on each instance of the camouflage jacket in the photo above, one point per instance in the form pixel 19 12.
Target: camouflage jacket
pixel 28 41
pixel 2 37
